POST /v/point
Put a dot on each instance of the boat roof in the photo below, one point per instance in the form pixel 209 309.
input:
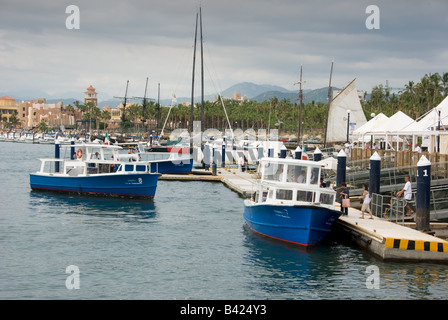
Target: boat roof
pixel 94 145
pixel 291 161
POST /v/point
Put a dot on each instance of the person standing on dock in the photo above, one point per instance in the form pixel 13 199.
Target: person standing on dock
pixel 366 202
pixel 407 190
pixel 345 195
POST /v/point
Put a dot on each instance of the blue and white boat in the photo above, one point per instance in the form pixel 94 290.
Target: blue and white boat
pixel 95 169
pixel 289 204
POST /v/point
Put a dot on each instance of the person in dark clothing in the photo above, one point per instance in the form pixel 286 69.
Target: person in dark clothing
pixel 344 194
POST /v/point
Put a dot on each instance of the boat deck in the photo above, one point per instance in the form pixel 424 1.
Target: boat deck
pixel 385 239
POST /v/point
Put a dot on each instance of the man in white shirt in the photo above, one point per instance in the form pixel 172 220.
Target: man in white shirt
pixel 407 190
pixel 418 149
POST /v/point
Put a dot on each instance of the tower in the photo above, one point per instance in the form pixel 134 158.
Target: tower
pixel 91 96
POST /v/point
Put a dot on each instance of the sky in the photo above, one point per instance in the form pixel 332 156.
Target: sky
pixel 259 41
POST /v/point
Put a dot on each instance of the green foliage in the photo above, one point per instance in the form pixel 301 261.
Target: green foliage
pixel 414 100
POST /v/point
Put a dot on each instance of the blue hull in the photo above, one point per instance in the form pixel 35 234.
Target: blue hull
pixel 303 225
pixel 127 185
pixel 172 167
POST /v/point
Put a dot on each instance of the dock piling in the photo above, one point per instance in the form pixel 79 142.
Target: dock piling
pixel 423 194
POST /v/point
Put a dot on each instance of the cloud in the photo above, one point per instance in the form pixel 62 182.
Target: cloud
pixel 253 40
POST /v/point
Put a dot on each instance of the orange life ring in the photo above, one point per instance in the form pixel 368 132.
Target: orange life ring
pixel 79 153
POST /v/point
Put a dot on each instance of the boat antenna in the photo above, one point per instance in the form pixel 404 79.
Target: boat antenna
pixel 329 104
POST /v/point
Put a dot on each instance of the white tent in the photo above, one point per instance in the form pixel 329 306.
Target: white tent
pixel 395 124
pixel 370 124
pixel 347 101
pixel 431 120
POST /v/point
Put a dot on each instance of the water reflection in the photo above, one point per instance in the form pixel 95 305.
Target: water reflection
pixel 128 209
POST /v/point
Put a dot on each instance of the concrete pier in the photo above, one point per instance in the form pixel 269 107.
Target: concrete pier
pixel 390 241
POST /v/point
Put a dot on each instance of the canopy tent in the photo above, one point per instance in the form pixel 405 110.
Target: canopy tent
pixel 432 118
pixel 360 133
pixel 345 103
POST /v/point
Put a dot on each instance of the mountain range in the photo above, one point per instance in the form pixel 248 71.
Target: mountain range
pixel 252 91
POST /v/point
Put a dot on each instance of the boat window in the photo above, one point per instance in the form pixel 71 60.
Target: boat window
pixel 284 194
pixel 326 198
pixel 314 175
pixel 307 196
pixel 273 171
pixel 296 174
pixel 128 167
pixel 140 168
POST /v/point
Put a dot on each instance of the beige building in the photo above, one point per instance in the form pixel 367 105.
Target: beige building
pixel 8 107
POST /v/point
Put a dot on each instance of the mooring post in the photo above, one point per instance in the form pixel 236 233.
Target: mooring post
pixel 223 155
pixel 298 153
pixel 423 195
pixel 317 155
pixel 56 155
pixel 72 149
pixel 283 152
pixel 341 170
pixel 375 172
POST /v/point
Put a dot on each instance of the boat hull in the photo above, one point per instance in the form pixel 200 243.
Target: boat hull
pixel 172 167
pixel 126 185
pixel 303 225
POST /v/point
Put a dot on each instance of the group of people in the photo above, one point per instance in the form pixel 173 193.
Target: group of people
pixel 344 194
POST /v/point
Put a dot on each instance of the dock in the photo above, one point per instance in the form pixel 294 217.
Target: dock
pixel 384 239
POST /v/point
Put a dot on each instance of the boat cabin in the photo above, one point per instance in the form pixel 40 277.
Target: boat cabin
pixel 293 182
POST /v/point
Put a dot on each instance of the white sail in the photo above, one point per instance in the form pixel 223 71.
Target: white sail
pixel 346 101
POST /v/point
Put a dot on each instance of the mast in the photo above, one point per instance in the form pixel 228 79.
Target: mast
pixel 300 107
pixel 329 104
pixel 192 81
pixel 202 73
pixel 123 116
pixel 158 108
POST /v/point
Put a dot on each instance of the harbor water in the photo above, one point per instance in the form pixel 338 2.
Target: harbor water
pixel 190 242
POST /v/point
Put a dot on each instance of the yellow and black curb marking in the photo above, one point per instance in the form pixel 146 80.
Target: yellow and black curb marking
pixel 421 245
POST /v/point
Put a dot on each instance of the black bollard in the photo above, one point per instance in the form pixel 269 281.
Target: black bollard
pixel 298 153
pixel 223 155
pixel 283 152
pixel 423 194
pixel 56 155
pixel 375 172
pixel 72 150
pixel 317 156
pixel 341 170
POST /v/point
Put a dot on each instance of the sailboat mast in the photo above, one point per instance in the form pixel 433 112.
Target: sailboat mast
pixel 192 81
pixel 202 73
pixel 299 134
pixel 329 104
pixel 123 116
